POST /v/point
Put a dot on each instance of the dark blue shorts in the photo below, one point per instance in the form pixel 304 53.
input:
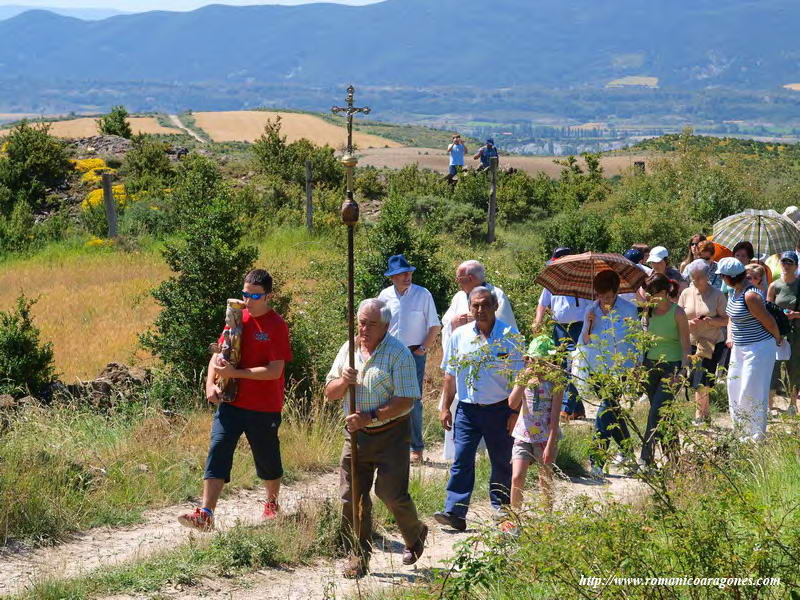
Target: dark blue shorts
pixel 261 429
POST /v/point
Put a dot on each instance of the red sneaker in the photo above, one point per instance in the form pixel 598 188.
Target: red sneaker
pixel 270 510
pixel 199 519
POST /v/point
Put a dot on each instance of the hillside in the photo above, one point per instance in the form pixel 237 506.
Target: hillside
pixel 684 44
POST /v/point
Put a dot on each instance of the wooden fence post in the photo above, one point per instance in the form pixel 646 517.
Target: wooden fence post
pixel 492 200
pixel 309 203
pixel 110 204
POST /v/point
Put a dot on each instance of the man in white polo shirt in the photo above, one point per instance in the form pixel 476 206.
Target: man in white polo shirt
pixel 416 324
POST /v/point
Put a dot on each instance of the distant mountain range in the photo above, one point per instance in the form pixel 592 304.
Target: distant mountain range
pixel 685 44
pixel 586 59
pixel 89 14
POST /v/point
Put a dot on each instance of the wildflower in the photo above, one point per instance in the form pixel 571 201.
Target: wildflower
pixel 95 197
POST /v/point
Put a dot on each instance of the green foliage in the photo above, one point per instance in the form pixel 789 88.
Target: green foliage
pixel 522 197
pixel 464 222
pixel 26 364
pixel 577 186
pixel 368 183
pixel 209 265
pixel 396 233
pixel 579 229
pixel 288 161
pixel 115 123
pixel 33 163
pixel 147 166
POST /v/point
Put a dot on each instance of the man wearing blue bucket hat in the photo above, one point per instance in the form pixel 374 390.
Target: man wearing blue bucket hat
pixel 416 324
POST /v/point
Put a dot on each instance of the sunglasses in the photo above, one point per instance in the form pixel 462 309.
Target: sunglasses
pixel 252 296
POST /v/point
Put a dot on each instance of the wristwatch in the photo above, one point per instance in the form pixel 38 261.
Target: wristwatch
pixel 373 414
pixel 422 348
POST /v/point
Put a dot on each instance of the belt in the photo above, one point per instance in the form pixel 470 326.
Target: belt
pixel 415 347
pixel 492 405
pixel 385 426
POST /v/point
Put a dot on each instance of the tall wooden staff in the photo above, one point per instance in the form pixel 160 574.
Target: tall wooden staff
pixel 350 218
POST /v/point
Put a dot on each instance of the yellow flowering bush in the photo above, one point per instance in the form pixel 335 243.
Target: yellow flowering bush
pixel 97 242
pixel 3 147
pixel 92 169
pixel 95 197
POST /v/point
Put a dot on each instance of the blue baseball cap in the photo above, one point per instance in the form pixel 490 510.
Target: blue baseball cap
pixel 730 266
pixel 633 255
pixel 490 141
pixel 790 255
pixel 561 251
pixel 398 264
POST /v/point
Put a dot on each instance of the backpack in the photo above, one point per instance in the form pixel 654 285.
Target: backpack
pixel 784 325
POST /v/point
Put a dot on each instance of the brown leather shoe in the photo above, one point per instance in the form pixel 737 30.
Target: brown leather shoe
pixel 356 567
pixel 411 555
pixel 416 457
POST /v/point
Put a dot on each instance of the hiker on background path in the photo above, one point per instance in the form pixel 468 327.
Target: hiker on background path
pixel 486 153
pixel 658 259
pixel 481 362
pixel 568 313
pixel 456 150
pixel 693 252
pixel 785 292
pixel 386 387
pixel 667 322
pixel 752 337
pixel 469 275
pixel 416 324
pixel 536 432
pixel 607 330
pixel 705 306
pixel 256 412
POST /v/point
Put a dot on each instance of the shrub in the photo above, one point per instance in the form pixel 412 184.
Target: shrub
pixel 463 221
pixel 26 364
pixel 521 197
pixel 147 166
pixel 33 162
pixel 209 265
pixel 397 233
pixel 115 123
pixel 274 156
pixel 368 183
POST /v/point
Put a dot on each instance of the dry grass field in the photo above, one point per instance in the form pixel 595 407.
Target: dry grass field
pixel 437 160
pixel 248 125
pixel 91 305
pixel 86 127
pixel 651 82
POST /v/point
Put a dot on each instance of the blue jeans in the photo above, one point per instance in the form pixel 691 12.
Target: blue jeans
pixel 660 395
pixel 569 332
pixel 608 424
pixel 417 444
pixel 471 423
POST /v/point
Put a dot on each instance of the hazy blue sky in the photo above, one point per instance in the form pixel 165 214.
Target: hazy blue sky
pixel 143 5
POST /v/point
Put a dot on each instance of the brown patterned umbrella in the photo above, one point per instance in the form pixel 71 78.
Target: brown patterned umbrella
pixel 572 275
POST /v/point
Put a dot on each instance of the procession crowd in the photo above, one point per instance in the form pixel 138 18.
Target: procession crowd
pixel 720 314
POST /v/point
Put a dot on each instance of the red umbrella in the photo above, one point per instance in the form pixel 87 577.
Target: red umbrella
pixel 573 275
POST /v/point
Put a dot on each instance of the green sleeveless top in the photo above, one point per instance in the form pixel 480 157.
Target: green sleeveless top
pixel 667 344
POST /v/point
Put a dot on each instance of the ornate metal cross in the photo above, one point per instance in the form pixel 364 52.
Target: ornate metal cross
pixel 350 110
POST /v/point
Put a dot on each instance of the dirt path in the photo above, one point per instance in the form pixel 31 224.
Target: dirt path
pixel 179 124
pixel 106 546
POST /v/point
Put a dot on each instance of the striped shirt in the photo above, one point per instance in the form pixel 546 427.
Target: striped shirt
pixel 745 328
pixel 390 372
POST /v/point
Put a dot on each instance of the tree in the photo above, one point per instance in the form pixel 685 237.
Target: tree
pixel 209 265
pixel 147 166
pixel 33 163
pixel 115 123
pixel 26 364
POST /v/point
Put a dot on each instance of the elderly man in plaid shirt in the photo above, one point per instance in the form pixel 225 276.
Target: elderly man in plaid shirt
pixel 386 387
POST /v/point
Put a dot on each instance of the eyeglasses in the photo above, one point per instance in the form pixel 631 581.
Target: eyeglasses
pixel 252 296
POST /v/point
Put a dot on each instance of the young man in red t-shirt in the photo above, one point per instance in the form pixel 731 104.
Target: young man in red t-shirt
pixel 256 412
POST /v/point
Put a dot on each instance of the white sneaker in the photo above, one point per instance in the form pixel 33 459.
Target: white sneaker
pixel 597 473
pixel 619 460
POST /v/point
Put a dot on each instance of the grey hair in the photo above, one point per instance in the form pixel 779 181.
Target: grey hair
pixel 480 289
pixel 380 306
pixel 474 268
pixel 697 266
